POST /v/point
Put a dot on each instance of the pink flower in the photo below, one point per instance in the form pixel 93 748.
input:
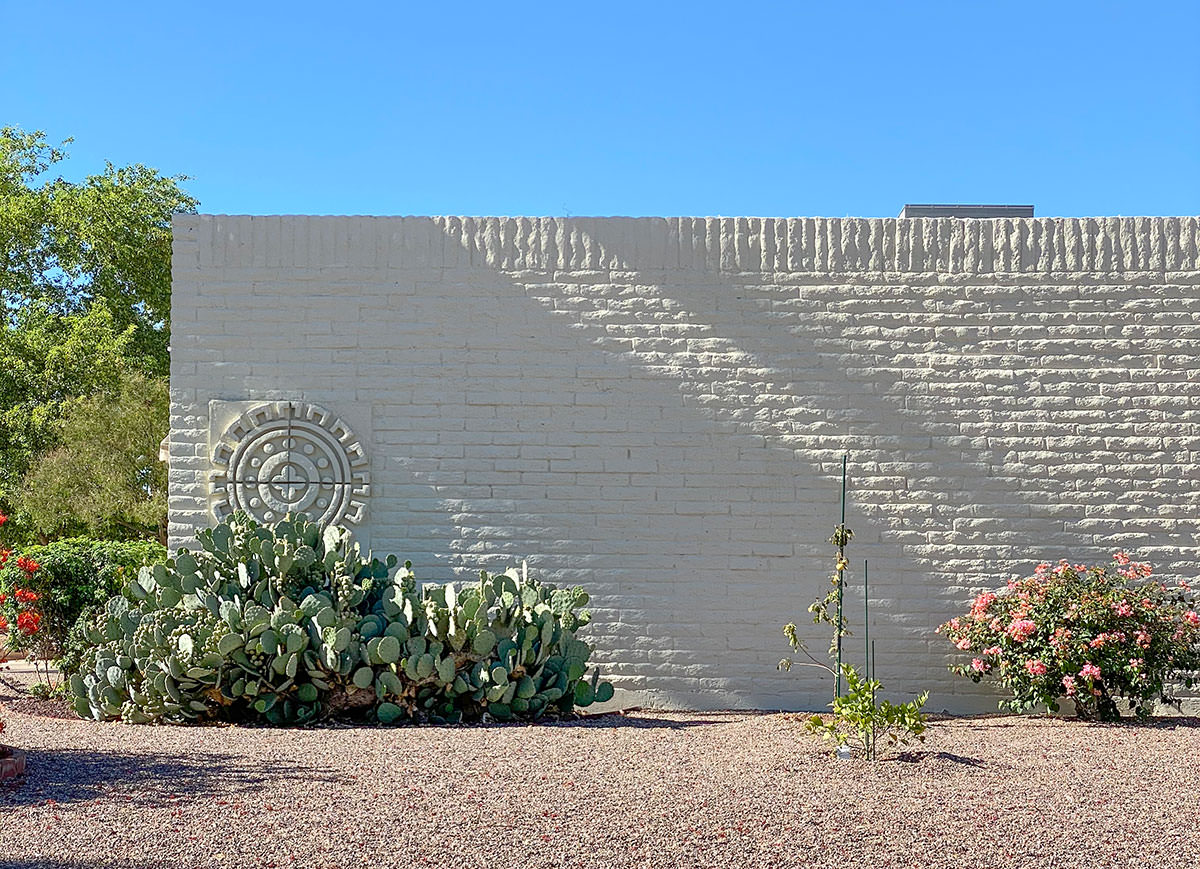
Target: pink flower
pixel 992 650
pixel 1135 570
pixel 981 603
pixel 1192 618
pixel 980 666
pixel 1069 684
pixel 1135 663
pixel 1021 629
pixel 1061 635
pixel 963 644
pixel 1089 671
pixel 1143 639
pixel 1123 609
pixel 1035 667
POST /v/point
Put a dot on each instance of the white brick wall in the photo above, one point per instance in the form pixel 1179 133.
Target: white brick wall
pixel 656 408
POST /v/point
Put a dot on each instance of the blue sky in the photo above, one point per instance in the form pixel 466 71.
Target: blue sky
pixel 623 108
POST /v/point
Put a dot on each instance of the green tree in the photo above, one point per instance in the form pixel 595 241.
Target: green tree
pixel 46 361
pixel 104 479
pixel 107 238
pixel 85 277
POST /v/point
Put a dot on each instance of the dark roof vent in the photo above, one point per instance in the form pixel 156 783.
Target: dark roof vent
pixel 967 211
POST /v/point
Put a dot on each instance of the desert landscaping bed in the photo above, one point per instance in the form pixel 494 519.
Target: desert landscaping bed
pixel 642 789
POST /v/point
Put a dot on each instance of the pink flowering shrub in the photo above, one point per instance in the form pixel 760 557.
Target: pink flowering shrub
pixel 1095 635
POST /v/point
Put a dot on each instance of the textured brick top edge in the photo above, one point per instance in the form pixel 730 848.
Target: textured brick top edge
pixel 715 244
pixel 649 217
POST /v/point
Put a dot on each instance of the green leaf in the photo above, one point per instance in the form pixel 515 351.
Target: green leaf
pixel 388 713
pixel 425 666
pixel 484 642
pixel 388 650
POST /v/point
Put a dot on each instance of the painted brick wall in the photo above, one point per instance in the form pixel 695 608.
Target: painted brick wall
pixel 656 408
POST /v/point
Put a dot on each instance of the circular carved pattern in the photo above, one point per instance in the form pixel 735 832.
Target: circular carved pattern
pixel 290 457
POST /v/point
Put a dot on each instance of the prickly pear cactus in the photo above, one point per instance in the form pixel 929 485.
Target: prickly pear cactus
pixel 290 624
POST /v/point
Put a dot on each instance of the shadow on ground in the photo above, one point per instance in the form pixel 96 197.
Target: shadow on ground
pixel 599 719
pixel 1160 722
pixel 918 756
pixel 80 775
pixel 617 719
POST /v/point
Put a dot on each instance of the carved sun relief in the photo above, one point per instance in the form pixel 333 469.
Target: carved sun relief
pixel 284 457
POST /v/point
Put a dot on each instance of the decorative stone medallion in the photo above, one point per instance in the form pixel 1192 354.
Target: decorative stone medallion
pixel 284 457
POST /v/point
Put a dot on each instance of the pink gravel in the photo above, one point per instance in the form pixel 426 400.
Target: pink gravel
pixel 639 790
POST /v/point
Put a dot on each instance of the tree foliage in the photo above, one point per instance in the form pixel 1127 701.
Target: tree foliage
pixel 107 239
pixel 46 361
pixel 105 478
pixel 85 283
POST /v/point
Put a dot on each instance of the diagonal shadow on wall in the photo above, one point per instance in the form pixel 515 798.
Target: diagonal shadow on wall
pixel 921 382
pixel 670 438
pixel 698 538
pixel 717 533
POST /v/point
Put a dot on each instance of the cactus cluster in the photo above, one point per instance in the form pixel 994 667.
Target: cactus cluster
pixel 290 624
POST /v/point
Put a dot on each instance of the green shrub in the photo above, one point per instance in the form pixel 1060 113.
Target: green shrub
pixel 72 575
pixel 70 657
pixel 859 721
pixel 289 624
pixel 1095 635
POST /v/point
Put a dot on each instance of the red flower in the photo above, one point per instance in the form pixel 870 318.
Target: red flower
pixel 3 518
pixel 29 622
pixel 25 596
pixel 4 553
pixel 28 564
pixel 3 623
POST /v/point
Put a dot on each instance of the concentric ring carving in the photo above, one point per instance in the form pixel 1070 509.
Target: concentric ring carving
pixel 284 457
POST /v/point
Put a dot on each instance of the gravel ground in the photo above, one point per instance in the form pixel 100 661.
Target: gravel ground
pixel 643 789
